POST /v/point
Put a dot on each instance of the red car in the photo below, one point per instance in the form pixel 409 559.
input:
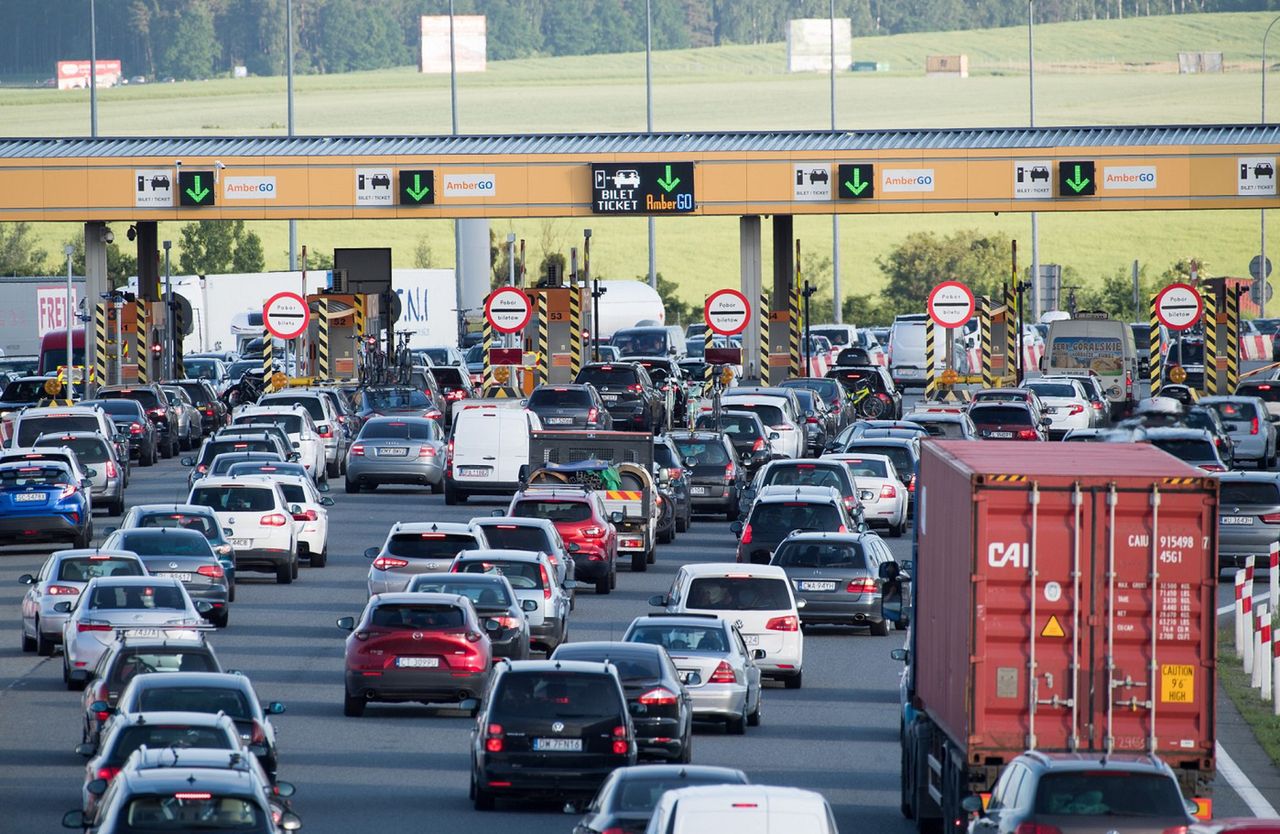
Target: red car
pixel 415 647
pixel 583 523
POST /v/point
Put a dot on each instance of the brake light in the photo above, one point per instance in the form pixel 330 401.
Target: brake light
pixel 636 387
pixel 92 626
pixel 357 450
pixel 426 452
pixel 888 491
pixel 433 414
pixel 211 571
pixel 659 697
pixel 111 469
pixel 1253 426
pixel 723 674
pixel 107 773
pixel 505 621
pixel 389 563
pixel 448 454
pixel 811 420
pixel 862 585
pixel 621 744
pixel 135 428
pixel 493 738
pixel 730 472
pixel 1213 467
pixel 1027 434
pixel 787 623
pixel 159 412
pixel 208 412
pixel 325 433
pixel 68 491
pixel 746 534
pixel 193 795
pixel 62 591
pixel 456 394
pixel 546 583
pixel 592 532
pixel 758 445
pixel 1076 409
pixel 273 520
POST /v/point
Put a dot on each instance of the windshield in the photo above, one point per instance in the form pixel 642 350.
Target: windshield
pixel 777 519
pixel 244 366
pixel 1188 353
pixel 84 569
pixel 559 398
pixel 202 698
pixel 564 511
pixel 836 335
pixel 517 537
pixel 213 448
pixel 143 396
pixel 200 369
pixel 1190 449
pixel 437 355
pixel 398 430
pixel 634 665
pixel 1102 354
pixel 191 810
pixel 733 425
pixel 1099 793
pixel 641 343
pixel 1264 391
pixel 946 429
pixel 222 463
pixel 119 408
pixel 998 415
pixel 311 404
pixel 415 616
pixel 29 390
pixel 481 594
pixel 449 376
pixel 234 499
pixel 273 466
pixel 291 423
pixel 903 461
pixel 429 545
pixel 702 452
pixel 828 389
pixel 29 428
pixel 151 661
pixel 608 376
pixel 87 449
pixel 733 593
pixel 552 695
pixel 148 543
pixel 137 597
pixel 1249 492
pixel 820 555
pixel 28 476
pixel 770 415
pixel 385 398
pixel 682 638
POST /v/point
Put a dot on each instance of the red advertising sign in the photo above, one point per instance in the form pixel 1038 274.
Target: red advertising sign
pixel 74 75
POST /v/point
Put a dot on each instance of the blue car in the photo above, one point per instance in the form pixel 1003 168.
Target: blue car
pixel 42 501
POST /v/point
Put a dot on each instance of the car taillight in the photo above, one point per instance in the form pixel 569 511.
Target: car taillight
pixel 1036 828
pixel 456 394
pixel 1027 434
pixel 659 697
pixel 357 450
pixel 89 625
pixel 1213 467
pixel 1177 829
pixel 1253 426
pixel 158 412
pixel 635 387
pixel 813 420
pixel 448 454
pixel 493 738
pixel 787 623
pixel 546 583
pixel 135 428
pixel 62 591
pixel 259 735
pixel 389 563
pixel 758 445
pixel 211 571
pixel 888 491
pixel 1097 405
pixel 107 773
pixel 426 452
pixel 111 469
pixel 505 621
pixel 273 520
pixel 325 434
pixel 862 585
pixel 730 472
pixel 1076 409
pixel 208 412
pixel 433 414
pixel 723 674
pixel 621 744
pixel 746 534
pixel 68 491
pixel 592 532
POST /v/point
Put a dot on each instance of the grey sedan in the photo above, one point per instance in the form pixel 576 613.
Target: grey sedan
pixel 838 576
pixel 396 450
pixel 184 555
pixel 1253 434
pixel 1249 516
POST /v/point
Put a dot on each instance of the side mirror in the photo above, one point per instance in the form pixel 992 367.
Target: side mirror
pixel 346 623
pixel 188 461
pixel 471 705
pixel 285 789
pixel 289 821
pixel 773 435
pixel 326 501
pixel 298 445
pixel 658 600
pixel 1041 364
pixel 574 547
pixel 692 679
pixel 97 787
pixel 372 552
pixel 74 819
pixel 736 527
pixel 26 579
pixel 801 603
pixel 902 655
pixel 322 488
pixel 100 706
pixel 85 483
pixel 616 517
pixel 528 605
pixel 85 750
pixel 91 473
pixel 294 457
pixel 757 654
pixel 227 531
pixel 907 565
pixel 664 476
pixel 275 708
pixel 63 607
pixel 495 514
pixel 295 509
pixel 973 804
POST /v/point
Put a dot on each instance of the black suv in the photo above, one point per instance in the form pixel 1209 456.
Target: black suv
pixel 549 729
pixel 570 407
pixel 130 418
pixel 156 403
pixel 628 393
pixel 213 411
pixel 668 376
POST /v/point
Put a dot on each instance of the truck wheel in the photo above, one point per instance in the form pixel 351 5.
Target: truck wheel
pixel 639 562
pixel 652 555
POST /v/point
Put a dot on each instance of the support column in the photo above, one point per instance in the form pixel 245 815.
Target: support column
pixel 752 287
pixel 783 274
pixel 96 283
pixel 148 241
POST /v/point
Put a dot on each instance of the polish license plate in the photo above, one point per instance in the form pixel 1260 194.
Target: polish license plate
pixel 751 639
pixel 698 490
pixel 632 543
pixel 418 662
pixel 557 745
pixel 394 452
pixel 473 471
pixel 181 577
pixel 242 542
pixel 559 421
pixel 817 586
pixel 609 398
pixel 999 434
pixel 1238 520
pixel 29 497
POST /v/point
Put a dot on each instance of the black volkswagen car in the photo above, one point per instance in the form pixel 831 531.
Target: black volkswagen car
pixel 628 393
pixel 570 407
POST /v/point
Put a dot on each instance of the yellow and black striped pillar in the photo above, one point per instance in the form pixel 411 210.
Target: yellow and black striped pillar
pixel 140 341
pixel 323 368
pixel 1011 328
pixel 1154 371
pixel 544 342
pixel 575 331
pixel 707 371
pixel 765 350
pixel 793 334
pixel 1210 340
pixel 100 341
pixel 359 315
pixel 179 370
pixel 984 326
pixel 930 356
pixel 267 348
pixel 1233 340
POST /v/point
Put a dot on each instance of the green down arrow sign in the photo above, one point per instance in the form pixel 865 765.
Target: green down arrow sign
pixel 857 181
pixel 417 188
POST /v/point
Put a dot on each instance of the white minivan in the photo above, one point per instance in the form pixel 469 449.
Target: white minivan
pixel 742 809
pixel 488 451
pixel 1096 346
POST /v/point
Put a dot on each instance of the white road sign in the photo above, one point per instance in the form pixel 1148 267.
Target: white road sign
pixel 1257 176
pixel 1179 306
pixel 286 315
pixel 811 181
pixel 951 304
pixel 508 310
pixel 153 187
pixel 373 187
pixel 727 312
pixel 1033 179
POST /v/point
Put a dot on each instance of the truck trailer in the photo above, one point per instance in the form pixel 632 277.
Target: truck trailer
pixel 1063 602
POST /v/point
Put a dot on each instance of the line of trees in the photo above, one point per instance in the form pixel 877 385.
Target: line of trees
pixel 191 39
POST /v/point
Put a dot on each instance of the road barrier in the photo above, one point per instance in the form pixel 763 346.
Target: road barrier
pixel 1255 349
pixel 1256 642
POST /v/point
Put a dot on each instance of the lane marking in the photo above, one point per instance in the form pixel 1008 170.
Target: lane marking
pixel 1240 783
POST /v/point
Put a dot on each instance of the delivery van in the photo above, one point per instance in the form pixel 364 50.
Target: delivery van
pixel 744 809
pixel 1098 346
pixel 488 451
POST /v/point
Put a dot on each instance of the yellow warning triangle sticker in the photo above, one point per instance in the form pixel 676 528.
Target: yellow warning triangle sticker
pixel 1053 628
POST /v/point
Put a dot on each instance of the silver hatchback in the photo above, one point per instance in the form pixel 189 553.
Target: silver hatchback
pixel 1249 516
pixel 106 472
pixel 1253 434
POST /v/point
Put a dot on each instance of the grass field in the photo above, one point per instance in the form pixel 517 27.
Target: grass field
pixel 1099 72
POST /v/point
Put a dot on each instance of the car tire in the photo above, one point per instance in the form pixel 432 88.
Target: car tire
pixel 28 643
pixel 736 726
pixel 668 535
pixel 753 719
pixel 880 629
pixel 652 555
pixel 146 457
pixel 43 646
pixel 116 507
pixel 319 560
pixel 332 470
pixel 221 619
pixel 639 562
pixel 84 538
pixel 231 593
pixel 731 514
pixel 284 574
pixel 686 749
pixel 352 707
pixel 352 487
pixel 293 568
pixel 483 799
pixel 165 451
pixel 896 530
pixel 682 523
pixel 452 496
pixel 794 681
pixel 613 575
pixel 602 585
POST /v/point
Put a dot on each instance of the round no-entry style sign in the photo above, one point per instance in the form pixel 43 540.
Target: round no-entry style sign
pixel 727 312
pixel 950 304
pixel 508 310
pixel 1179 306
pixel 285 315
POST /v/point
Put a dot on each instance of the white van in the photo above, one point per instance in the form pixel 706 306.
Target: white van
pixel 906 350
pixel 488 451
pixel 1099 347
pixel 742 809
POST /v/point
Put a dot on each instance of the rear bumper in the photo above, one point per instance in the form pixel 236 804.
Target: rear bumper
pixel 261 559
pixel 432 685
pixel 718 701
pixel 715 496
pixel 825 609
pixel 527 778
pixel 480 486
pixel 589 570
pixel 384 471
pixel 29 528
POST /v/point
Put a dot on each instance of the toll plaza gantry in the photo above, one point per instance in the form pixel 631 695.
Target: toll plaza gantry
pixel 753 175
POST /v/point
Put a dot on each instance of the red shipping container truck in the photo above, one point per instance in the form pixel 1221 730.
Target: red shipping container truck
pixel 1064 601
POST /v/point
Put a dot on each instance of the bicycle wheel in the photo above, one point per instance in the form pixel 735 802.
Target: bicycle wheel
pixel 873 407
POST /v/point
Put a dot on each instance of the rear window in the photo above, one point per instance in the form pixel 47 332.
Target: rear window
pixel 728 593
pixel 805 474
pixel 770 415
pixel 1000 416
pixel 291 423
pixel 641 343
pixel 1108 794
pixel 778 519
pixel 1054 389
pixel 142 396
pixel 119 408
pixel 132 663
pixel 158 543
pixel 946 429
pixel 552 695
pixel 199 369
pixel 1188 353
pixel 903 461
pixel 156 736
pixel 637 664
pixel 25 390
pixel 398 430
pixel 82 570
pixel 245 444
pixel 820 555
pixel 682 638
pixel 30 428
pixel 852 377
pixel 516 537
pixel 702 452
pixel 1249 492
pixel 429 545
pixel 131 597
pixel 1189 449
pixel 415 616
pixel 1263 391
pixel 566 511
pixel 559 398
pixel 448 377
pixel 222 464
pixel 27 476
pixel 864 468
pixel 379 399
pixel 523 576
pixel 234 499
pixel 608 376
pixel 196 809
pixel 1237 411
pixel 638 796
pixel 87 449
pixel 204 525
pixel 481 593
pixel 205 698
pixel 828 389
pixel 311 404
pixel 734 426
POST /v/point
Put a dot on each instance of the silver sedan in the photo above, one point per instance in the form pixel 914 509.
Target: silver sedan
pixel 62 578
pixel 396 450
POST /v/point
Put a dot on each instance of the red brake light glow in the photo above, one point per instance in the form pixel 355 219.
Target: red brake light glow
pixel 62 591
pixel 787 623
pixel 192 795
pixel 658 697
pixel 723 674
pixel 273 520
pixel 493 738
pixel 211 571
pixel 389 563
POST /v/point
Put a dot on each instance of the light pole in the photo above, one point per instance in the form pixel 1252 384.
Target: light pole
pixel 168 315
pixel 67 313
pixel 648 105
pixel 1262 214
pixel 93 70
pixel 288 73
pixel 1035 218
pixel 453 115
pixel 835 218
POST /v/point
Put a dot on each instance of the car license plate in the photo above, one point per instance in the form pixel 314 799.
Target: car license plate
pixel 631 543
pixel 609 398
pixel 559 421
pixel 241 542
pixel 751 639
pixel 557 745
pixel 181 577
pixel 698 490
pixel 29 497
pixel 473 471
pixel 394 452
pixel 417 662
pixel 1238 520
pixel 817 586
pixel 999 434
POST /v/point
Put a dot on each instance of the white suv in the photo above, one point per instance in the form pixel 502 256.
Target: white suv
pixel 33 422
pixel 254 508
pixel 296 422
pixel 757 599
pixel 325 416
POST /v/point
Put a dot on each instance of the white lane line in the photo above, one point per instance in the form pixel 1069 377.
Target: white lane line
pixel 1230 607
pixel 1240 783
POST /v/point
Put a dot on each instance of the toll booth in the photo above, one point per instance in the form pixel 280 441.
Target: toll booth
pixel 554 335
pixel 338 322
pixel 117 342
